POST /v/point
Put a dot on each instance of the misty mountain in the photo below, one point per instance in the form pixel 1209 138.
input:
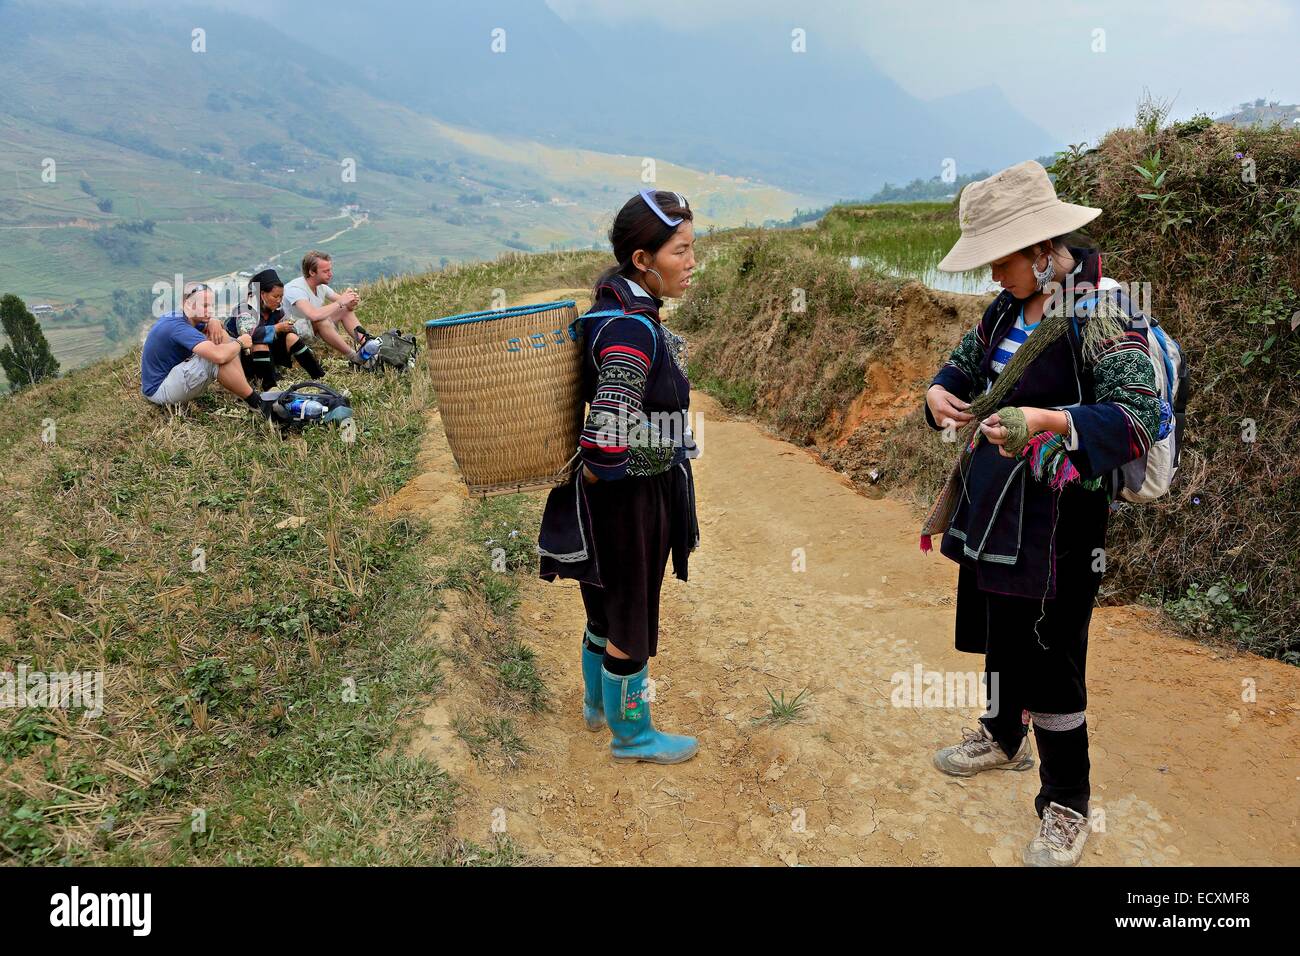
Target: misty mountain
pixel 824 122
pixel 138 143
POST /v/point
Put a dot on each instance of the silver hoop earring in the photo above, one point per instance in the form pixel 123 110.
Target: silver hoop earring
pixel 1046 276
pixel 650 269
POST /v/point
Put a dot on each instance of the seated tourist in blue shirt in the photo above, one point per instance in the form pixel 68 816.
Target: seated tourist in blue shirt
pixel 186 351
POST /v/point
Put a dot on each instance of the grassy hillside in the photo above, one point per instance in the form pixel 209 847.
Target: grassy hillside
pixel 782 325
pixel 268 688
pixel 233 167
pixel 847 374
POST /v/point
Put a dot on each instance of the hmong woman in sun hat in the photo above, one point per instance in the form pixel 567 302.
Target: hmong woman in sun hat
pixel 632 503
pixel 1044 409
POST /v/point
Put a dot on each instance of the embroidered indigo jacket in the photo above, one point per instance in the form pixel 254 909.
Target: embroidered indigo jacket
pixel 1004 523
pixel 634 380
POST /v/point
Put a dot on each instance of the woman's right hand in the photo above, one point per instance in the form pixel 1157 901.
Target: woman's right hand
pixel 946 407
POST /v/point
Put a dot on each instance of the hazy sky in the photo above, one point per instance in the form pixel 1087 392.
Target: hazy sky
pixel 1205 55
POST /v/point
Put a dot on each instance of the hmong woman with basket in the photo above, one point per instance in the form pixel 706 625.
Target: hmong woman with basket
pixel 1045 409
pixel 632 503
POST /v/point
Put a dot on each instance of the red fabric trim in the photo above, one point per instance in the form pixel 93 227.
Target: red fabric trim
pixel 612 449
pixel 625 348
pixel 617 294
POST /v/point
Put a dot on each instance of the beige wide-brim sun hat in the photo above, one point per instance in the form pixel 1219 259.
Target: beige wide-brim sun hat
pixel 1009 211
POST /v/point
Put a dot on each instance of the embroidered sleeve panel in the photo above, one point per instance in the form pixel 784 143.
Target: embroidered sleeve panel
pixel 966 359
pixel 618 439
pixel 1124 421
pixel 1124 376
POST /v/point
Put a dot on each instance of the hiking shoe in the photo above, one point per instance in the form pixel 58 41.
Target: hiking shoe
pixel 978 751
pixel 1060 838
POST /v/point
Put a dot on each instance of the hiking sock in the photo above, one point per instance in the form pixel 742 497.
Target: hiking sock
pixel 593 641
pixel 253 400
pixel 262 363
pixel 621 666
pixel 1063 765
pixel 311 365
pixel 264 369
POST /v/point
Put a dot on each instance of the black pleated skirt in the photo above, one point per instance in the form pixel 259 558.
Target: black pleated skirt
pixel 632 520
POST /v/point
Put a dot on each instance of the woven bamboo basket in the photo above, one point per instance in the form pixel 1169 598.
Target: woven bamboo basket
pixel 509 386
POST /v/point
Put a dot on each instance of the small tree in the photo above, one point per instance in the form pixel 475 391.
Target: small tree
pixel 27 358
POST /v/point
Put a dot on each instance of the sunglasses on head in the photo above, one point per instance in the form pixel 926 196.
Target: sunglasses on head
pixel 195 290
pixel 650 200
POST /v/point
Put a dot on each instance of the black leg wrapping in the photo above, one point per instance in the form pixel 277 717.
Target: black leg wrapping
pixel 1063 768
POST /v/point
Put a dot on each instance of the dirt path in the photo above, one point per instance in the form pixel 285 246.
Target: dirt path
pixel 1185 771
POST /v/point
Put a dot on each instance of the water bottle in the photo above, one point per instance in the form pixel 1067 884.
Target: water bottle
pixel 370 349
pixel 306 408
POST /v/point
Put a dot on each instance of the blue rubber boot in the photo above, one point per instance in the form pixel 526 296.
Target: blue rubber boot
pixel 593 707
pixel 627 711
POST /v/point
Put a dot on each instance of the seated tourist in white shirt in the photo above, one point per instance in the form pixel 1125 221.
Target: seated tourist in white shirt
pixel 316 308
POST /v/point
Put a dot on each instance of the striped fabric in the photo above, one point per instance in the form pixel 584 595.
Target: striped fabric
pixel 1058 722
pixel 1015 338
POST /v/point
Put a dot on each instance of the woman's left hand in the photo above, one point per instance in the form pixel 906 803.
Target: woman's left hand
pixel 1036 420
pixel 996 433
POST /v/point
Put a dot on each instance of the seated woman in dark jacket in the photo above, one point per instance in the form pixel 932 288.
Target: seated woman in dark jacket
pixel 1069 395
pixel 274 341
pixel 614 527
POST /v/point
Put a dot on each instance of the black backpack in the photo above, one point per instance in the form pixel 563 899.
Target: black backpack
pixel 336 405
pixel 395 351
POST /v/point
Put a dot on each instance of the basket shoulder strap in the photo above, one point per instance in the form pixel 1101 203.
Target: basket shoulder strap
pixel 614 316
